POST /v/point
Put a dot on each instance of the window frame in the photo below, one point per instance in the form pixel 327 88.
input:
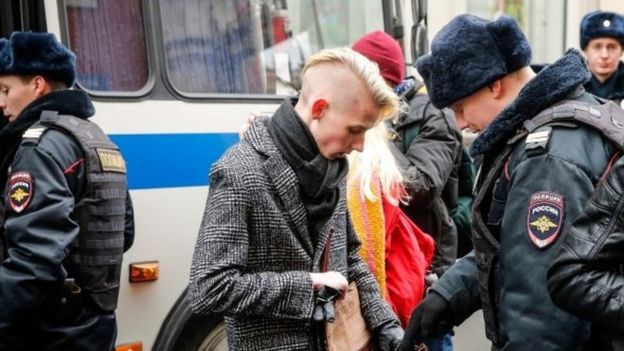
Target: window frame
pixel 150 83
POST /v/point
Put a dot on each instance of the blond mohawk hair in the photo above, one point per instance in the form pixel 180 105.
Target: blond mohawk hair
pixel 367 71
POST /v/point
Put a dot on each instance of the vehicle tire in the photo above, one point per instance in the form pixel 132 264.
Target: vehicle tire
pixel 202 334
pixel 184 331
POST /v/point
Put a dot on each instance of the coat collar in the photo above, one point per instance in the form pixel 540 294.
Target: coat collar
pixel 551 85
pixel 616 81
pixel 286 184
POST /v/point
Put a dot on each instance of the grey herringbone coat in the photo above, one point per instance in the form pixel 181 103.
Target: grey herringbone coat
pixel 254 252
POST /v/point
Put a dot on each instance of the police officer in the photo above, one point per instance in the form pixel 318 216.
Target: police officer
pixel 539 158
pixel 64 204
pixel 602 41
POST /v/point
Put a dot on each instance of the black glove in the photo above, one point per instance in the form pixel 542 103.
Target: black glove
pixel 389 336
pixel 324 306
pixel 432 318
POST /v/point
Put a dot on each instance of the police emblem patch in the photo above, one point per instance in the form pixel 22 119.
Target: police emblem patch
pixel 545 218
pixel 20 190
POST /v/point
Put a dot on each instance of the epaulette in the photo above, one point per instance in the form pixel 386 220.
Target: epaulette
pixel 537 141
pixel 33 133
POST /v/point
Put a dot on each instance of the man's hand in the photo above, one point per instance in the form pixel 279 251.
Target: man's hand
pixel 432 318
pixel 332 279
pixel 389 336
pixel 243 128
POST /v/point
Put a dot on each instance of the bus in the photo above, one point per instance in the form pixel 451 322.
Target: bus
pixel 172 81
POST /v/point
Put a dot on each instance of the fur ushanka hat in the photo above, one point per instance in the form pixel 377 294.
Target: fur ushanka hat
pixel 600 24
pixel 470 53
pixel 28 53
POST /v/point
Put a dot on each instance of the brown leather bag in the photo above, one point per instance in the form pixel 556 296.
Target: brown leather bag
pixel 348 331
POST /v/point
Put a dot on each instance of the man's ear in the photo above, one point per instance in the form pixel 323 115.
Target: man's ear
pixel 41 85
pixel 496 89
pixel 318 107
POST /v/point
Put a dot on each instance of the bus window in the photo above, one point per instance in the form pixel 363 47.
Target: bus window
pixel 108 38
pixel 255 46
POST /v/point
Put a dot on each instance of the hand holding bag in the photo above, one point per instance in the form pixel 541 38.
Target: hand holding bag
pixel 348 331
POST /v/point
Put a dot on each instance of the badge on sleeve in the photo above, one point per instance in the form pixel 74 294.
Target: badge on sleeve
pixel 545 218
pixel 20 190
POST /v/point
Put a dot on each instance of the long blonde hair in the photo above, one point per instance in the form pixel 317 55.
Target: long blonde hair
pixel 375 168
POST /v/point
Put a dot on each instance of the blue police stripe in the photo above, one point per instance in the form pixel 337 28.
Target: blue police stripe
pixel 171 160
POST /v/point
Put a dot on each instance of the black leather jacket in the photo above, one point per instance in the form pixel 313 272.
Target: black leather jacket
pixel 587 277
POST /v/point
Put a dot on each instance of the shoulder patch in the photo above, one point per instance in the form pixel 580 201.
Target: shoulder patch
pixel 545 218
pixel 33 133
pixel 21 189
pixel 111 160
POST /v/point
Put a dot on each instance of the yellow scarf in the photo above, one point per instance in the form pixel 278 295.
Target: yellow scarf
pixel 368 221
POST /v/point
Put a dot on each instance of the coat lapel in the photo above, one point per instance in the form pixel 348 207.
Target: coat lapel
pixel 287 188
pixel 328 230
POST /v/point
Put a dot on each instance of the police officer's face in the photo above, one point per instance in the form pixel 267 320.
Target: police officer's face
pixel 603 56
pixel 15 94
pixel 476 111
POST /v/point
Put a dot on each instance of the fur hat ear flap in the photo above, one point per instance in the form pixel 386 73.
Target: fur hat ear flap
pixel 5 53
pixel 27 53
pixel 425 68
pixel 511 42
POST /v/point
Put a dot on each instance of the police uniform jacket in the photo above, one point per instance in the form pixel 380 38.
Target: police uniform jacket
pixel 587 278
pixel 529 190
pixel 42 181
pixel 254 252
pixel 430 167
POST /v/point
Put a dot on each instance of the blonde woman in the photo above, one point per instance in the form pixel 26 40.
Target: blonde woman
pixel 395 249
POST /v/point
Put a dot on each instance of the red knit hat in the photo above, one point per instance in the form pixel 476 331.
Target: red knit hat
pixel 382 49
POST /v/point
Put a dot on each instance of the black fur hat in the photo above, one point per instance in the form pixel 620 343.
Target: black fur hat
pixel 470 53
pixel 599 24
pixel 28 53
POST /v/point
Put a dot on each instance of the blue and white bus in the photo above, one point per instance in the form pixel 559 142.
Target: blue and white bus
pixel 173 80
